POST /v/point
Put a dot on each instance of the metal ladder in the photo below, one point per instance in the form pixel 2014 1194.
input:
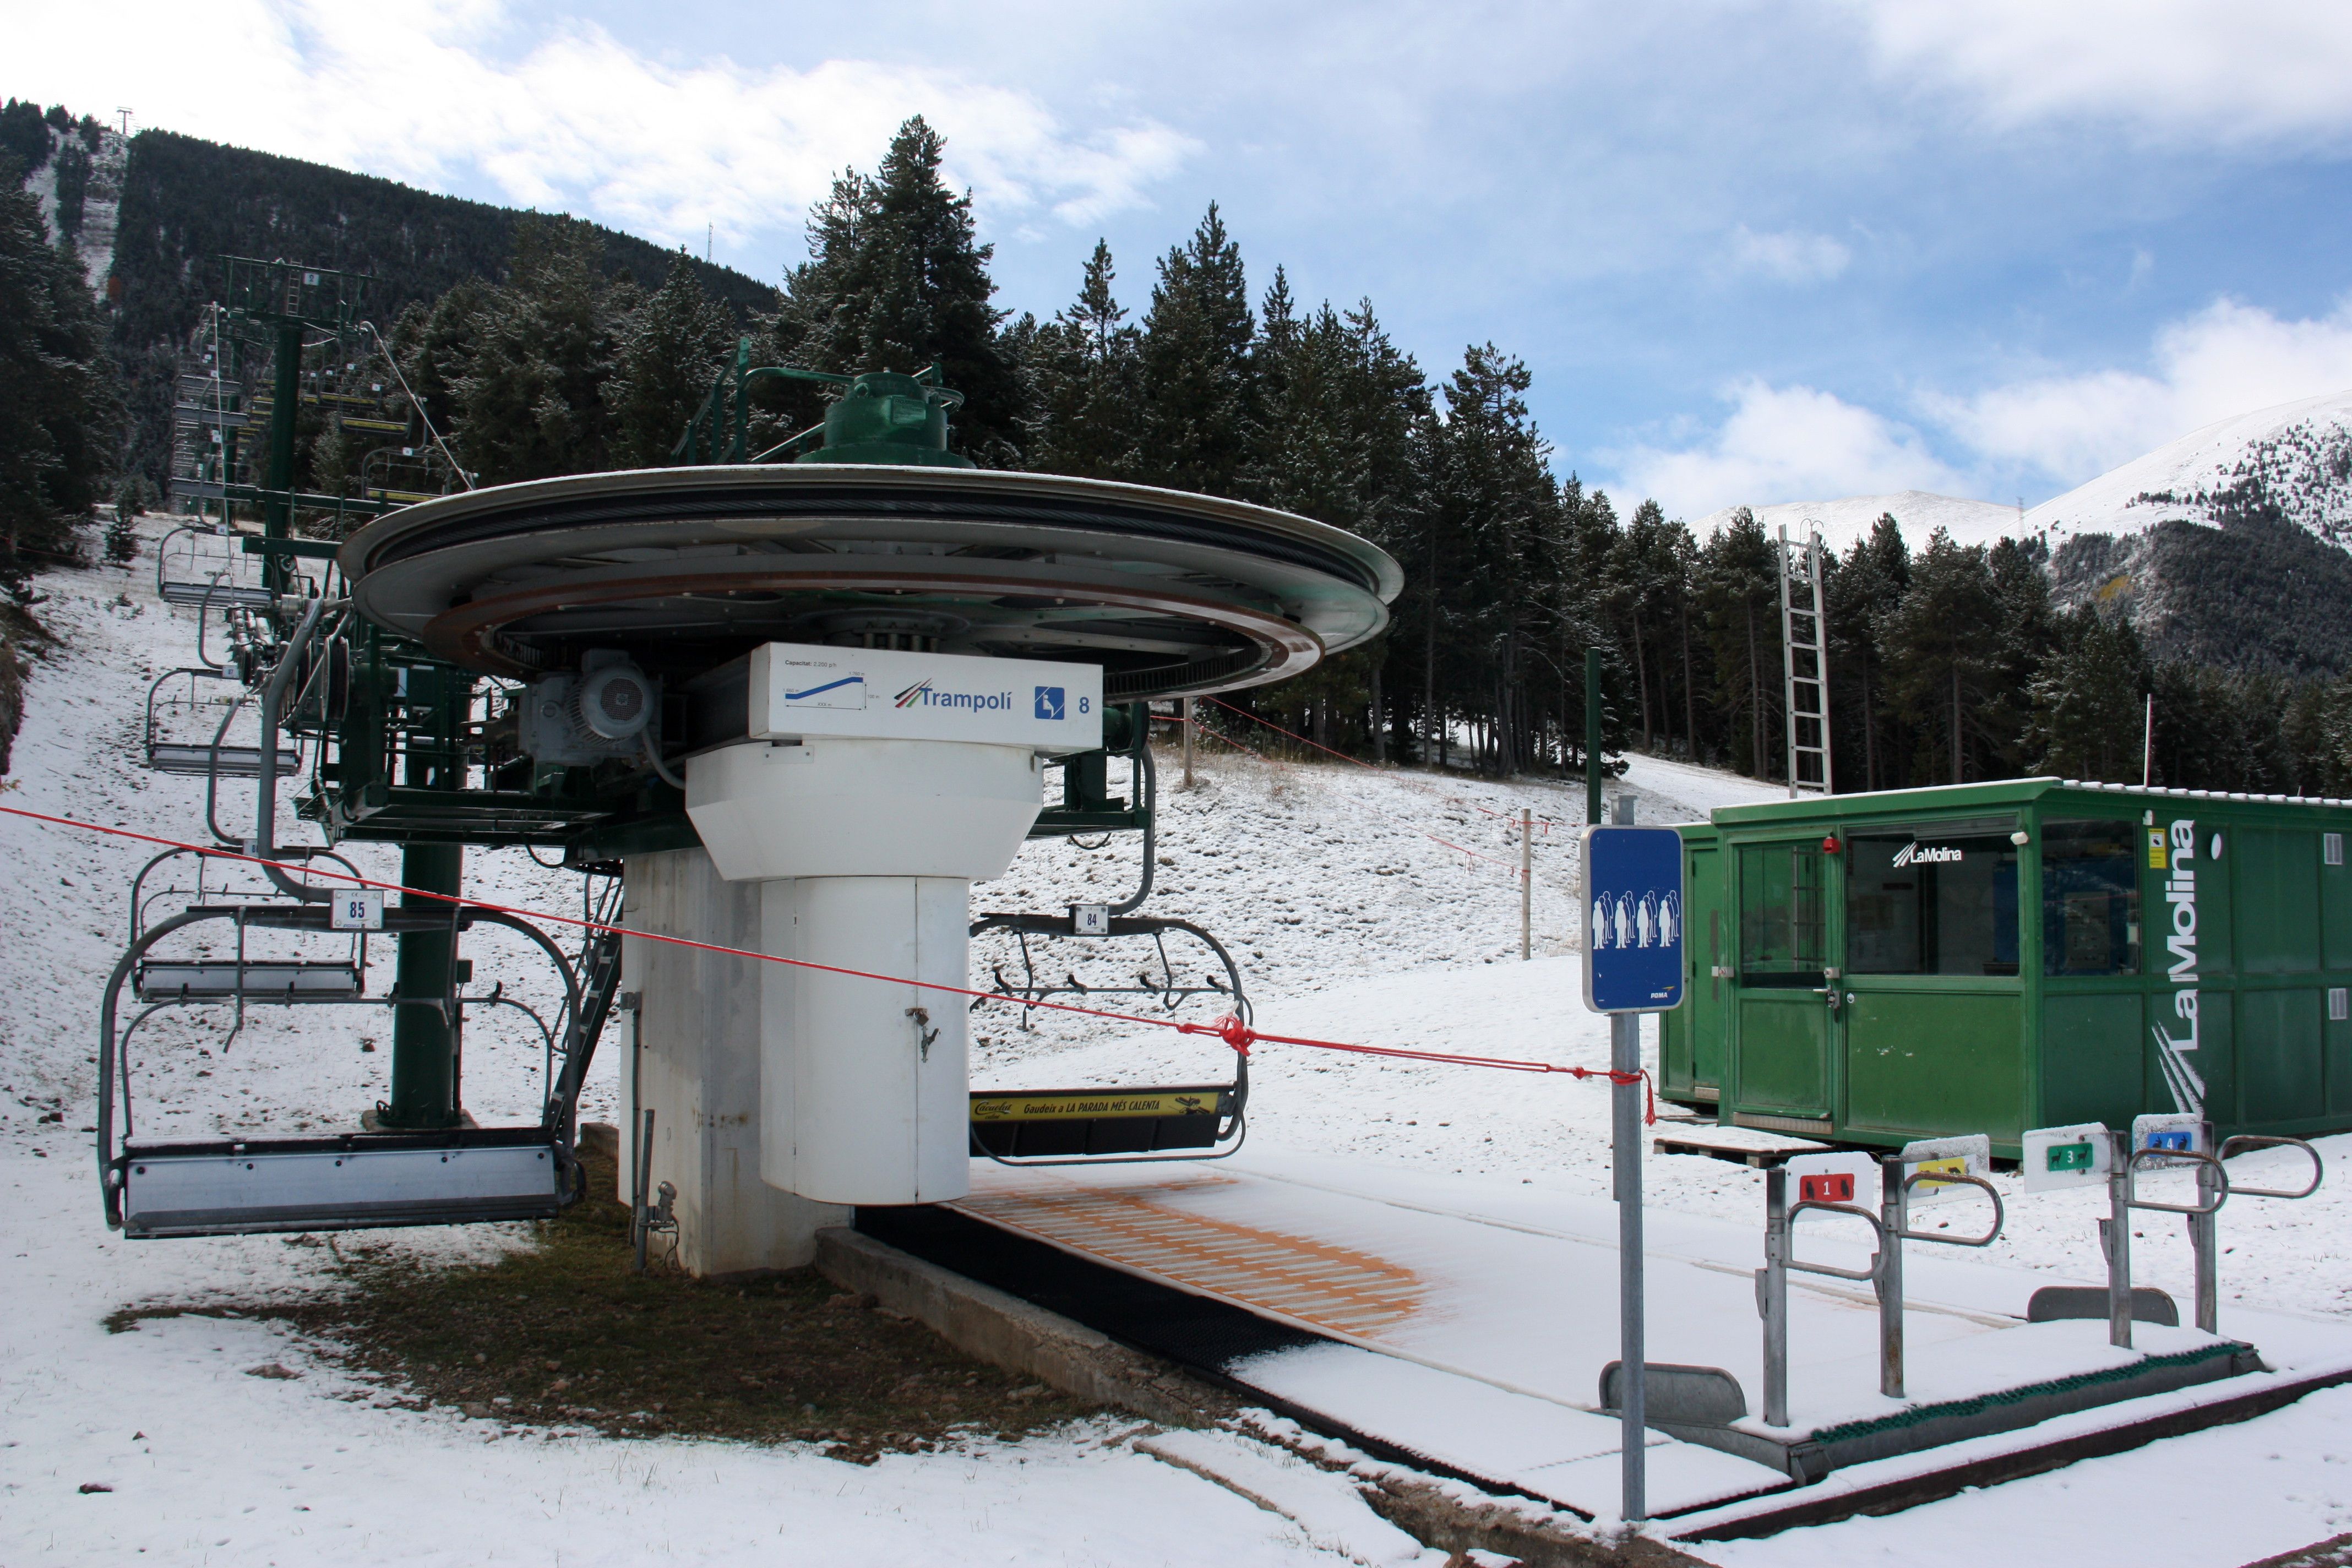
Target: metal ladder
pixel 1805 667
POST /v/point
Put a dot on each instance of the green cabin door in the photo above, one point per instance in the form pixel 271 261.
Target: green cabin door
pixel 1787 1032
pixel 1707 933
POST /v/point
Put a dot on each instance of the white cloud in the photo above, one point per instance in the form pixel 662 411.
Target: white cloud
pixel 1782 444
pixel 2177 70
pixel 1790 256
pixel 2226 359
pixel 420 91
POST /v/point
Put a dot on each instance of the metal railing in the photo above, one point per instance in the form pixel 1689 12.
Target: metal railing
pixel 1891 1228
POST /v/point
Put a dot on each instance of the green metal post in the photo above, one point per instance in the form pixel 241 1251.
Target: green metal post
pixel 278 513
pixel 426 1039
pixel 1592 735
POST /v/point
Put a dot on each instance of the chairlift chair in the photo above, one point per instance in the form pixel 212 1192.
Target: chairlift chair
pixel 351 1180
pixel 199 575
pixel 171 750
pixel 1121 1123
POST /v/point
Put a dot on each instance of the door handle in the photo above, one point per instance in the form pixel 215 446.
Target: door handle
pixel 1828 993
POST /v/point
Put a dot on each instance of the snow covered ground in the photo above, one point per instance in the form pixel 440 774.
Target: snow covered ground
pixel 1375 909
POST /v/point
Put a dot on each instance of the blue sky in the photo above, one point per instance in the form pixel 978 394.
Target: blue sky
pixel 1751 252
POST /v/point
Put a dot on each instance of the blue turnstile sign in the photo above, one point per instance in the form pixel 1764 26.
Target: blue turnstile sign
pixel 1634 920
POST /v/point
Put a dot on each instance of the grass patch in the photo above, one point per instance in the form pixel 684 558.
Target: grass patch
pixel 563 1333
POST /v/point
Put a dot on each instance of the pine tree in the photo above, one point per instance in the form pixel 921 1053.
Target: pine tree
pixel 59 411
pixel 1196 365
pixel 669 350
pixel 1741 592
pixel 1086 406
pixel 896 279
pixel 2087 702
pixel 24 135
pixel 435 345
pixel 1942 646
pixel 2025 634
pixel 122 528
pixel 1862 594
pixel 1492 492
pixel 530 398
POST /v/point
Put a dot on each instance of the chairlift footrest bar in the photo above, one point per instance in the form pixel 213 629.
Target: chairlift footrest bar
pixel 1079 1122
pixel 218 597
pixel 192 761
pixel 266 980
pixel 351 1181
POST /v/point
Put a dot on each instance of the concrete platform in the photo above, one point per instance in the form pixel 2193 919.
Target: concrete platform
pixel 1467 1324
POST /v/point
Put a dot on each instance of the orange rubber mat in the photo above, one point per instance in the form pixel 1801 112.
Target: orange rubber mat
pixel 1336 1290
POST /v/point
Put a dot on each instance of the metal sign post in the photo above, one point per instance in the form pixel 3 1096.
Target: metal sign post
pixel 1632 881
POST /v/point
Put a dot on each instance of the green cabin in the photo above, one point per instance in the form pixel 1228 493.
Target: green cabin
pixel 2032 952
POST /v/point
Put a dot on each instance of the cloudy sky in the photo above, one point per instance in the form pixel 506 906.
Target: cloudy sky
pixel 1753 252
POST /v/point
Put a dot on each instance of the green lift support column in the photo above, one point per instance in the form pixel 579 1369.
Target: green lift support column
pixel 286 400
pixel 426 1031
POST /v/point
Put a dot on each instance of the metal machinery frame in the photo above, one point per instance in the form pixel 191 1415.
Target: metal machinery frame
pixel 408 737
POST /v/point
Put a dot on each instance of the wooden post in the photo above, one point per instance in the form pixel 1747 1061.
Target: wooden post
pixel 1188 742
pixel 1526 881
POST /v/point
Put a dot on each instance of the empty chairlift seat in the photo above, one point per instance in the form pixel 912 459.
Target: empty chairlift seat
pixel 362 1181
pixel 207 568
pixel 182 725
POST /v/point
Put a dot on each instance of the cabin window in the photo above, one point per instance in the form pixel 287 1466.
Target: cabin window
pixel 1782 929
pixel 1921 901
pixel 2090 897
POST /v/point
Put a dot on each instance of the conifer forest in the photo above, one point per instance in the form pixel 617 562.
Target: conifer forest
pixel 571 350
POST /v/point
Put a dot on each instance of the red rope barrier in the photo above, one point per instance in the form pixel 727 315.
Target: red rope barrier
pixel 1229 1028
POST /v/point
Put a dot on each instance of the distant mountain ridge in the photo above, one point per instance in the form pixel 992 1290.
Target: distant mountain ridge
pixel 2291 463
pixel 2231 546
pixel 162 208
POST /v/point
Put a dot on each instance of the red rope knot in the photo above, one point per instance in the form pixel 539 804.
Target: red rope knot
pixel 1229 1028
pixel 1649 1090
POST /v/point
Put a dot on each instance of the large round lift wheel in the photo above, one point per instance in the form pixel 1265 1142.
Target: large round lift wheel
pixel 912 640
pixel 687 568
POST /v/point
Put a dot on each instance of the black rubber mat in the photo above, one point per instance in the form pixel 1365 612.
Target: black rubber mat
pixel 1192 1331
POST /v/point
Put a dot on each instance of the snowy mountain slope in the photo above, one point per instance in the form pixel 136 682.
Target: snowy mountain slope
pixel 1354 922
pixel 101 211
pixel 2296 458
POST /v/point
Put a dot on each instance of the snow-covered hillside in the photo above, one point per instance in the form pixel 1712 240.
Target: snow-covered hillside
pixel 2296 457
pixel 102 204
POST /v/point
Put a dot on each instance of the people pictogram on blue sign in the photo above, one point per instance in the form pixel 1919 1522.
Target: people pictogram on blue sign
pixel 1633 927
pixel 1049 702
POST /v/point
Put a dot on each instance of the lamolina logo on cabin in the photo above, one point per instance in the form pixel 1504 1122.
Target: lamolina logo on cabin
pixel 1917 854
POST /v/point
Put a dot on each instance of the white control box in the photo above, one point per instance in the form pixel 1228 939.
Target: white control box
pixel 799 693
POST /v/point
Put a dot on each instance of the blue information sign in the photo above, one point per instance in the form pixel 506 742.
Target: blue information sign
pixel 1633 919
